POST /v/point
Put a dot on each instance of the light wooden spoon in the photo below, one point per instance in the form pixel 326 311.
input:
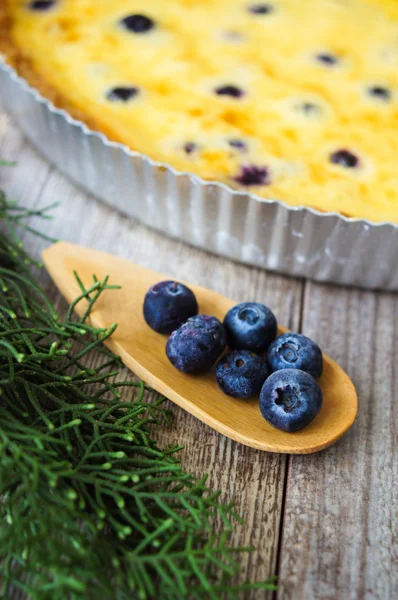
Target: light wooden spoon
pixel 143 351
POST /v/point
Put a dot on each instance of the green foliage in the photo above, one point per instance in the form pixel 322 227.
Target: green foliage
pixel 90 507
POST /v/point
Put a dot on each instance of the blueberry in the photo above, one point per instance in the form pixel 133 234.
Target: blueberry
pixel 251 326
pixel 241 373
pixel 167 305
pixel 295 351
pixel 308 108
pixel 290 399
pixel 261 9
pixel 197 344
pixel 229 90
pixel 233 36
pixel 327 59
pixel 122 94
pixel 253 175
pixel 238 144
pixel 138 23
pixel 380 92
pixel 42 4
pixel 189 147
pixel 344 158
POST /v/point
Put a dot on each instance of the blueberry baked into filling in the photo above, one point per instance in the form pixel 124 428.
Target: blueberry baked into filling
pixel 380 92
pixel 327 59
pixel 235 92
pixel 238 144
pixel 122 94
pixel 42 4
pixel 229 90
pixel 261 9
pixel 138 23
pixel 253 175
pixel 344 158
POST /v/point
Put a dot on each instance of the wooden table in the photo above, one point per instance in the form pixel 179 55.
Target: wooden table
pixel 326 523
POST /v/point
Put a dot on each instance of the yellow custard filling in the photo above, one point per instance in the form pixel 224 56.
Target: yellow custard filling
pixel 289 99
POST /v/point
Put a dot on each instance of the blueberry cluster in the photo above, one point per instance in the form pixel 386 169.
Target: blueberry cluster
pixel 281 370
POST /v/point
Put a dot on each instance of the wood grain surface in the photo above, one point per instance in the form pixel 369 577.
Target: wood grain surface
pixel 326 523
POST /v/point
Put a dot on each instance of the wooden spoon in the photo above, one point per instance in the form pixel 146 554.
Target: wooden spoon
pixel 143 351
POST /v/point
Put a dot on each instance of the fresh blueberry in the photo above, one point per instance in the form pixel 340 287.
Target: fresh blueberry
pixel 250 326
pixel 253 175
pixel 327 59
pixel 380 92
pixel 238 144
pixel 261 9
pixel 196 345
pixel 229 90
pixel 122 94
pixel 241 373
pixel 190 147
pixel 290 399
pixel 42 4
pixel 167 305
pixel 295 351
pixel 138 23
pixel 344 158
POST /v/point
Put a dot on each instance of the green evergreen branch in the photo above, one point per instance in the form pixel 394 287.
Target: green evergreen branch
pixel 90 507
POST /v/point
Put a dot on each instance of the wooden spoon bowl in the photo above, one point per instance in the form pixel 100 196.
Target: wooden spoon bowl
pixel 143 351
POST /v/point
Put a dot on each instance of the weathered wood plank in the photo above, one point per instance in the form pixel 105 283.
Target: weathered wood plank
pixel 341 521
pixel 252 478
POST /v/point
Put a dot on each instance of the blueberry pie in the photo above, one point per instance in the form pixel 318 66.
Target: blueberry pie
pixel 289 99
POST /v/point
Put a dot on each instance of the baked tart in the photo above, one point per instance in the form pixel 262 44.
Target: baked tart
pixel 291 100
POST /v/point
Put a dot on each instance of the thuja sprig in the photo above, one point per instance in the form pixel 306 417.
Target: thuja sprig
pixel 90 507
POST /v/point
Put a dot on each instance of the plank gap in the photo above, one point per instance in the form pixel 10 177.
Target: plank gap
pixel 279 548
